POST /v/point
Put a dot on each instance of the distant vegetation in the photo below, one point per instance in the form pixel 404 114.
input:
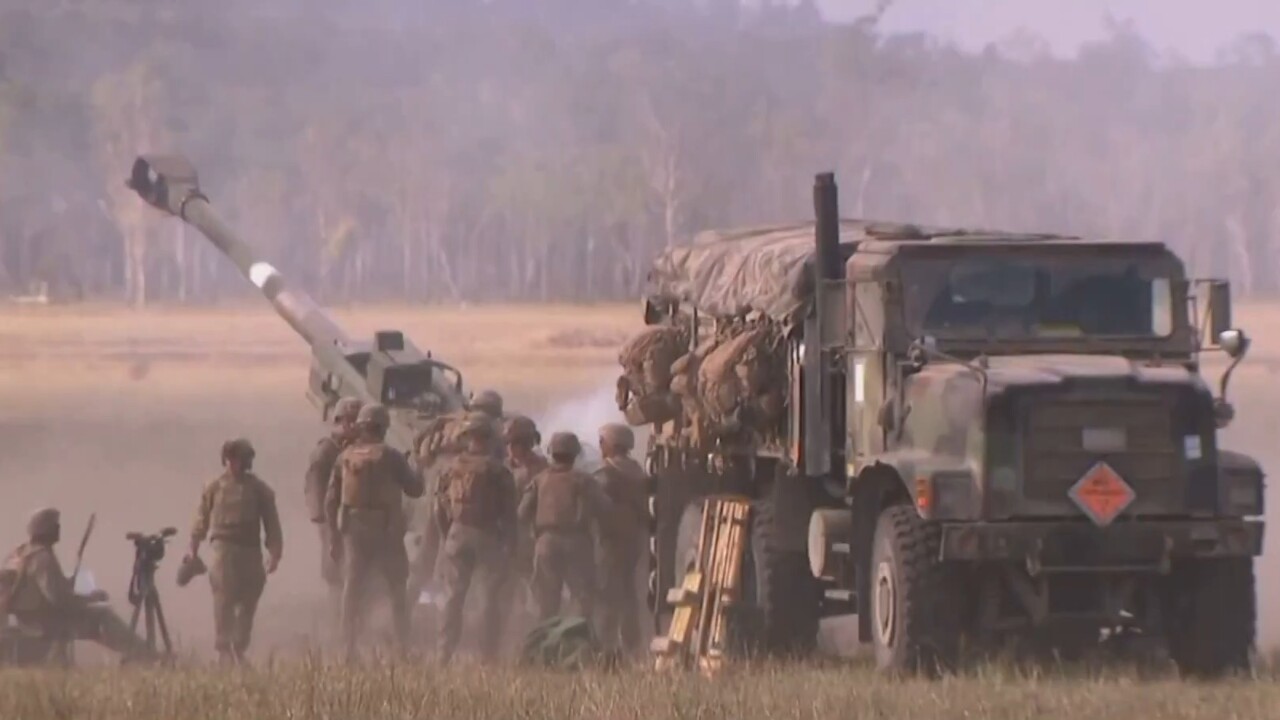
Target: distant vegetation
pixel 546 149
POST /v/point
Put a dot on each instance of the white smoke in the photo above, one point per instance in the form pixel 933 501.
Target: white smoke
pixel 582 415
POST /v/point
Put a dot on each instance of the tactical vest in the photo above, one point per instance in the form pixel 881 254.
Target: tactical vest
pixel 471 492
pixel 365 484
pixel 626 487
pixel 236 515
pixel 525 474
pixel 560 501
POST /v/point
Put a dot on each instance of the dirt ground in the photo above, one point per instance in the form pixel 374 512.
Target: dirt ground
pixel 122 413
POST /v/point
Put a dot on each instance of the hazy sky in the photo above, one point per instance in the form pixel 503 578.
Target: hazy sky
pixel 1194 28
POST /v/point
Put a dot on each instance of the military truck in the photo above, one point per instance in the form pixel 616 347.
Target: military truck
pixel 962 437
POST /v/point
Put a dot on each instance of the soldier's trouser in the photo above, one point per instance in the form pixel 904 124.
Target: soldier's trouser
pixel 620 604
pixel 330 569
pixel 466 550
pixel 423 565
pixel 237 576
pixel 95 623
pixel 563 559
pixel 372 547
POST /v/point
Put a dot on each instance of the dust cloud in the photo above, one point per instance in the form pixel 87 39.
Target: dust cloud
pixel 583 415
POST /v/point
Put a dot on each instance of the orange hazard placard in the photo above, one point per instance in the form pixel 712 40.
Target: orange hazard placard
pixel 1102 494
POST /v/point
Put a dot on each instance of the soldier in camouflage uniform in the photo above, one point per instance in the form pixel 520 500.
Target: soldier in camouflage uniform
pixel 319 471
pixel 238 515
pixel 364 509
pixel 622 537
pixel 476 511
pixel 434 448
pixel 525 462
pixel 561 504
pixel 40 597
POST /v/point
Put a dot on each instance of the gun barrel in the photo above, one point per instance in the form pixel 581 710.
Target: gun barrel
pixel 169 183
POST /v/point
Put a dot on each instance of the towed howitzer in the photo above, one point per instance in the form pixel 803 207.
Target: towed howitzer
pixel 414 386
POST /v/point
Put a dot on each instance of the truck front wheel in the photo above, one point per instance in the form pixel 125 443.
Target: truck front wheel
pixel 1211 616
pixel 915 621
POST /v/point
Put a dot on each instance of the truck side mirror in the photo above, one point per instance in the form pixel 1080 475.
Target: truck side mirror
pixel 1219 309
pixel 1233 342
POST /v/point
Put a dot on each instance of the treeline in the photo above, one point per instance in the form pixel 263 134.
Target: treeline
pixel 547 149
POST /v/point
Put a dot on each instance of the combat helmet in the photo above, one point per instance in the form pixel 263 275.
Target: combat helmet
pixel 239 448
pixel 44 523
pixel 488 402
pixel 521 429
pixel 565 444
pixel 374 415
pixel 190 568
pixel 347 409
pixel 476 424
pixel 619 436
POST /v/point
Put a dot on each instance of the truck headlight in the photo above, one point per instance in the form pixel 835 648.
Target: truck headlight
pixel 954 495
pixel 1241 493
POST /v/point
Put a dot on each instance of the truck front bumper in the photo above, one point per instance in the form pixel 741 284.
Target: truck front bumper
pixel 1148 545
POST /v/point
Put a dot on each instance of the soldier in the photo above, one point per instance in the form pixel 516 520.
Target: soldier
pixel 237 513
pixel 476 511
pixel 622 538
pixel 40 597
pixel 561 503
pixel 364 509
pixel 434 448
pixel 319 470
pixel 525 462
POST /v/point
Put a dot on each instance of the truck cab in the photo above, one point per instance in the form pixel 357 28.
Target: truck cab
pixel 981 437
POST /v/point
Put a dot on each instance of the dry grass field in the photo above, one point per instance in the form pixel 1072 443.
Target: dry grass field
pixel 122 413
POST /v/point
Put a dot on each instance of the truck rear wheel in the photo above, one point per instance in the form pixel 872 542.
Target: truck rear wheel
pixel 914 618
pixel 780 601
pixel 1212 616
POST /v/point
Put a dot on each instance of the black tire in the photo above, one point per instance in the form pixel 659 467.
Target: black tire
pixel 1212 617
pixel 780 605
pixel 788 599
pixel 915 614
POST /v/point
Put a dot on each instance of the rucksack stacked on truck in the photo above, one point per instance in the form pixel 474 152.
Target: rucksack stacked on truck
pixel 957 435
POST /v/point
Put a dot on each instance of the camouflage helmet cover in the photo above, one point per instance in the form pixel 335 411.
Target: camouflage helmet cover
pixel 618 435
pixel 477 425
pixel 521 429
pixel 565 443
pixel 347 409
pixel 374 414
pixel 239 448
pixel 488 402
pixel 43 522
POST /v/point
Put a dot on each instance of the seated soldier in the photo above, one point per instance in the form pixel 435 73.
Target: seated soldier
pixel 41 598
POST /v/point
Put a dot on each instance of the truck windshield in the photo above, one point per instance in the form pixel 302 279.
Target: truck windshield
pixel 1006 298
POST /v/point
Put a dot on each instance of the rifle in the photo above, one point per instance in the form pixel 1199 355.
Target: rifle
pixel 84 542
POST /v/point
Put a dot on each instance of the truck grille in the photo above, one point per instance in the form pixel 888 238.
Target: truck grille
pixel 1055 454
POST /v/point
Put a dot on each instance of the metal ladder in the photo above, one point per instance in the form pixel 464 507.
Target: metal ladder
pixel 698 630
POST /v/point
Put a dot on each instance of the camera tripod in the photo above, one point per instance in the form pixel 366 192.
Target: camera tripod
pixel 143 594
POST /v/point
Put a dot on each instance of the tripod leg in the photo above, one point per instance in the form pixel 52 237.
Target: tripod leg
pixel 164 627
pixel 133 619
pixel 149 601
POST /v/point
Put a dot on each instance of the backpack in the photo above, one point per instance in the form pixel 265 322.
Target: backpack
pixel 561 642
pixel 739 386
pixel 11 582
pixel 646 360
pixel 469 492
